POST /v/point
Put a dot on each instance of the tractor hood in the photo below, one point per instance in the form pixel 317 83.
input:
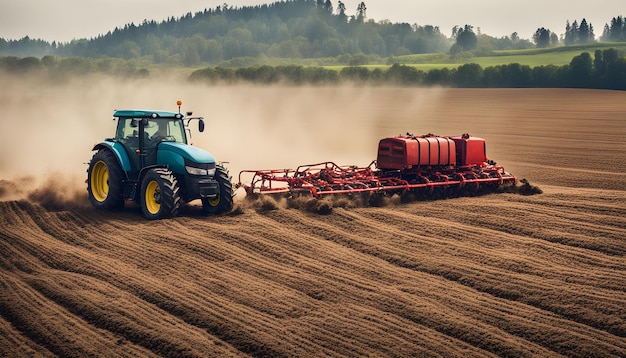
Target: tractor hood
pixel 177 155
pixel 186 151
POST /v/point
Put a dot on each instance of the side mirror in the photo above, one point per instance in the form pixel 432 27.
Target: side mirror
pixel 201 125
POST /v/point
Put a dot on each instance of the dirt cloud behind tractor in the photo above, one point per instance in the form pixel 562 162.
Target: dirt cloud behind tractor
pixel 55 192
pixel 50 128
pixel 59 193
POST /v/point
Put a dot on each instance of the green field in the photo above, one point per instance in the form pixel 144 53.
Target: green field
pixel 532 57
pixel 538 57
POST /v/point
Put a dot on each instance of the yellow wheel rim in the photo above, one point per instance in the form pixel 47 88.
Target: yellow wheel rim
pixel 214 202
pixel 153 197
pixel 100 181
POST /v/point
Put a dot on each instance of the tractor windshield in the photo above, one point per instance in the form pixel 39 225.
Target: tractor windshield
pixel 157 130
pixel 170 130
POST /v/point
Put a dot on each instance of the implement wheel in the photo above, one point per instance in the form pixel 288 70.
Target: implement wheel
pixel 223 203
pixel 104 181
pixel 159 194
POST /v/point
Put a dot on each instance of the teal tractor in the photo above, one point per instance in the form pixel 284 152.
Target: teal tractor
pixel 150 162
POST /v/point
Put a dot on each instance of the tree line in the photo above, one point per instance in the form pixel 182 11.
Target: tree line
pixel 60 68
pixel 607 70
pixel 583 33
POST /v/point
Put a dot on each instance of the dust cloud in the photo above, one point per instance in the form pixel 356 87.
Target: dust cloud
pixel 57 192
pixel 48 129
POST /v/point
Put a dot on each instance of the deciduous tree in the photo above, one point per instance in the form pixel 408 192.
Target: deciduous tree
pixel 542 37
pixel 465 37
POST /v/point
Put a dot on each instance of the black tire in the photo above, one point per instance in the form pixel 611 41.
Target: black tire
pixel 224 201
pixel 104 181
pixel 160 197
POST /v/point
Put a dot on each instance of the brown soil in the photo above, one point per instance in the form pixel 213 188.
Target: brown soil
pixel 493 275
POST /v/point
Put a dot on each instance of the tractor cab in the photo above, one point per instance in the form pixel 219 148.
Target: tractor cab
pixel 141 132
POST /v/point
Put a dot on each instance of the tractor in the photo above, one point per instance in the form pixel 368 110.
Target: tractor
pixel 151 162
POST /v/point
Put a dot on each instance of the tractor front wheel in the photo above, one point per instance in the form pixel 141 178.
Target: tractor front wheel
pixel 223 203
pixel 159 194
pixel 104 181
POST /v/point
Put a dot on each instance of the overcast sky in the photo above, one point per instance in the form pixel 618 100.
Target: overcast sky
pixel 64 20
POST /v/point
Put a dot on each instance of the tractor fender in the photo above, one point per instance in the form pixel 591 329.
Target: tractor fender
pixel 142 173
pixel 119 152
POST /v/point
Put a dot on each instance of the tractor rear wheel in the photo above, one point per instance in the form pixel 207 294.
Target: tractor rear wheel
pixel 160 197
pixel 223 203
pixel 104 181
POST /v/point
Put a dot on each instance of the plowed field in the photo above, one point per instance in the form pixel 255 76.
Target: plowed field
pixel 493 275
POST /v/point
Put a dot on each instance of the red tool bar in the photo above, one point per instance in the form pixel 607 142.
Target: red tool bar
pixel 328 178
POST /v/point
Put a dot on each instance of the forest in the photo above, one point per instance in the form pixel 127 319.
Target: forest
pixel 605 70
pixel 285 29
pixel 294 29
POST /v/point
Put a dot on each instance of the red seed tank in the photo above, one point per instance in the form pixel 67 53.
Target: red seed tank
pixel 409 152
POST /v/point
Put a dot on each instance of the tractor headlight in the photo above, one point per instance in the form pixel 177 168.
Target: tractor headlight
pixel 197 171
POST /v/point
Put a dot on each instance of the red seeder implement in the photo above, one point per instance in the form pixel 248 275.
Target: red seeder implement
pixel 329 178
pixel 405 163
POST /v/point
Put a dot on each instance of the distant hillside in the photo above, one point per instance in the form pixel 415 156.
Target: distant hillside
pixel 286 29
